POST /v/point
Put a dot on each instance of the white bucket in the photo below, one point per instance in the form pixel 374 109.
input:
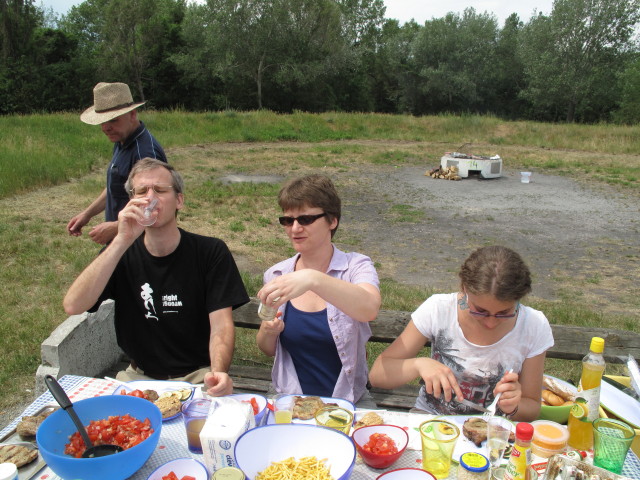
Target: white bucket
pixel 525 177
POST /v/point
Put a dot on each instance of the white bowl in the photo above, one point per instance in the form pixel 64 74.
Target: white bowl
pixel 406 474
pixel 262 403
pixel 256 449
pixel 181 467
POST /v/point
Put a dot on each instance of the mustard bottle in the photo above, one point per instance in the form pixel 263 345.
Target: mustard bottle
pixel 520 459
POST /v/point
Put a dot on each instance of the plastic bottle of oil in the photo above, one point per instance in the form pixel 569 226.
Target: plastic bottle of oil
pixel 586 408
pixel 520 459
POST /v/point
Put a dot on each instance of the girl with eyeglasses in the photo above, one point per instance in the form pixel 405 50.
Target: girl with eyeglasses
pixel 325 299
pixel 477 336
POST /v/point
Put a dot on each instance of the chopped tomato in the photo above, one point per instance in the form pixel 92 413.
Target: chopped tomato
pixel 135 393
pixel 381 444
pixel 124 430
pixel 173 476
pixel 254 405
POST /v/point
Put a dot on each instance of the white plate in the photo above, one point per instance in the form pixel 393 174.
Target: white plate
pixel 620 404
pixel 160 386
pixel 346 404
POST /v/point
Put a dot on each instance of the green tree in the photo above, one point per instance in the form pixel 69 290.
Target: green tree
pixel 629 106
pixel 571 58
pixel 455 59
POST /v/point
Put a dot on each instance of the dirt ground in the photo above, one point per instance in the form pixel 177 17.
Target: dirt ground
pixel 578 239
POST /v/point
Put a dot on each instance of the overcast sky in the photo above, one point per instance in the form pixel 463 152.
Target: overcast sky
pixel 419 10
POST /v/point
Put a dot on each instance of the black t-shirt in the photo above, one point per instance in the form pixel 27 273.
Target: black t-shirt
pixel 162 304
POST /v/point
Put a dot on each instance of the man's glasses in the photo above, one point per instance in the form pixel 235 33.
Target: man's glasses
pixel 141 190
pixel 303 220
pixel 498 315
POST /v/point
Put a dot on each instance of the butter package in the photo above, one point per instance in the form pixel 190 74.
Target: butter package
pixel 227 420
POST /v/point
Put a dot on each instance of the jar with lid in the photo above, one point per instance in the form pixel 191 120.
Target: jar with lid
pixel 8 471
pixel 266 313
pixel 228 473
pixel 473 466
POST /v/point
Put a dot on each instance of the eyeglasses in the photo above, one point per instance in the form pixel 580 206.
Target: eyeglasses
pixel 141 190
pixel 303 220
pixel 498 315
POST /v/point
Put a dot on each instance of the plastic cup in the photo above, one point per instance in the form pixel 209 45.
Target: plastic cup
pixel 525 177
pixel 149 216
pixel 611 442
pixel 438 442
pixel 498 430
pixel 335 417
pixel 194 414
pixel 283 408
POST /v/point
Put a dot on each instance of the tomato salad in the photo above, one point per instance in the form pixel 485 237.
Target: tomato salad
pixel 123 430
pixel 381 444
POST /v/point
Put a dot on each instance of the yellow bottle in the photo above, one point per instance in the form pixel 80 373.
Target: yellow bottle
pixel 586 408
pixel 520 459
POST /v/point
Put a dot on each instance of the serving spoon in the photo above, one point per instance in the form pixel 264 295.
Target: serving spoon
pixel 63 400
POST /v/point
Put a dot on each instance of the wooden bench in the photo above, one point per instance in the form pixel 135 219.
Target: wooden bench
pixel 72 347
pixel 571 343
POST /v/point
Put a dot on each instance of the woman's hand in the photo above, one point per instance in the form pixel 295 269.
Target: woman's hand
pixel 438 379
pixel 287 287
pixel 511 390
pixel 273 327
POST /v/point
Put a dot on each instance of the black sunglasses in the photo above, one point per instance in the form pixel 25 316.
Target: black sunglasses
pixel 302 220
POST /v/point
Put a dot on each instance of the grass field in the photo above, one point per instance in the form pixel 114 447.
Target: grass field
pixel 53 166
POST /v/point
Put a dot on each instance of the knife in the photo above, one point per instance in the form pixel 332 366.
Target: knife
pixel 475 406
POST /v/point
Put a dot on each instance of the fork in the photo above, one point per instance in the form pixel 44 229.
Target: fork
pixel 491 409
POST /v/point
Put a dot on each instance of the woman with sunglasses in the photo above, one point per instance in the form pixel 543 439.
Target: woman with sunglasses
pixel 483 342
pixel 325 300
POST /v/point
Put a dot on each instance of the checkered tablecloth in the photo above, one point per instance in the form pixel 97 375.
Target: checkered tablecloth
pixel 173 439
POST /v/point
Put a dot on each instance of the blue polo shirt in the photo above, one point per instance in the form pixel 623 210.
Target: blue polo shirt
pixel 140 144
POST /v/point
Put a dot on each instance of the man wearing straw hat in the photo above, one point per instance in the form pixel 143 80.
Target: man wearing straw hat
pixel 115 111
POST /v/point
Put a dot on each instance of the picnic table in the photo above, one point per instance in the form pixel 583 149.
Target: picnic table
pixel 173 441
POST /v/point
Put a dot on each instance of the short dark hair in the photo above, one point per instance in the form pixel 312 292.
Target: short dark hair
pixel 498 271
pixel 315 191
pixel 147 164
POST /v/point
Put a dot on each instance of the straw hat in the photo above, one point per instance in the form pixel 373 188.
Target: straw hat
pixel 110 100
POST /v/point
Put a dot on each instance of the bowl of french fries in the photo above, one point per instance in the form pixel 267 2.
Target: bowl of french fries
pixel 557 399
pixel 277 451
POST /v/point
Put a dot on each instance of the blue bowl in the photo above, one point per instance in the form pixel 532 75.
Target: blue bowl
pixel 257 448
pixel 54 433
pixel 260 399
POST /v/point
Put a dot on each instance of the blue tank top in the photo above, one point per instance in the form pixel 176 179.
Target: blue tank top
pixel 307 338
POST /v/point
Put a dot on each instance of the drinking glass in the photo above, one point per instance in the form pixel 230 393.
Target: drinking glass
pixel 611 442
pixel 283 408
pixel 149 216
pixel 498 430
pixel 438 442
pixel 334 417
pixel 194 414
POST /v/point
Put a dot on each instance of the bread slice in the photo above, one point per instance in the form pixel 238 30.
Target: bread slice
pixel 169 406
pixel 19 455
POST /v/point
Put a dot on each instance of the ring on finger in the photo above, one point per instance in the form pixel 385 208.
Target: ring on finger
pixel 275 300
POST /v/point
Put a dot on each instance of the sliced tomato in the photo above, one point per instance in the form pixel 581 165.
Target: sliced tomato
pixel 171 476
pixel 188 477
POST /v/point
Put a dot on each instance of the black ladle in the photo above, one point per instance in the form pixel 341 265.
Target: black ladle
pixel 63 400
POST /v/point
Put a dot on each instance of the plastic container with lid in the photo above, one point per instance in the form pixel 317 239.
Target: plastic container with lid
pixel 549 438
pixel 473 466
pixel 228 473
pixel 8 471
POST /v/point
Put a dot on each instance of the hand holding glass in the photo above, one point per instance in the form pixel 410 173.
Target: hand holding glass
pixel 498 430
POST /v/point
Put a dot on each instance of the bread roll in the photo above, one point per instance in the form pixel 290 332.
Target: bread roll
pixel 551 398
pixel 568 403
pixel 559 389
